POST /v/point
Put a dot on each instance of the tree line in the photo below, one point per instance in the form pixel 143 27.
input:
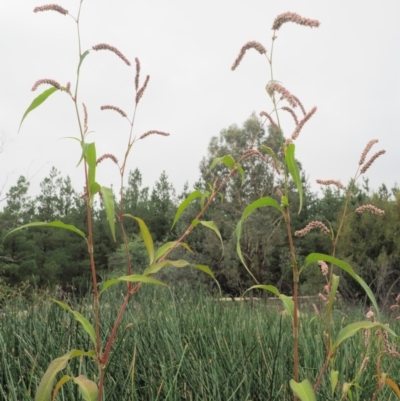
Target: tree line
pixel 45 257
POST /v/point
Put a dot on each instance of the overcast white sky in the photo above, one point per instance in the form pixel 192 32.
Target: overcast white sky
pixel 349 68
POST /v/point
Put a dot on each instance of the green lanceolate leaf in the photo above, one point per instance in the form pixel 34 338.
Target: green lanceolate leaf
pixel 57 224
pixel 294 171
pixel 81 60
pixel 286 301
pixel 37 102
pixel 43 392
pixel 227 160
pixel 303 390
pixel 108 202
pixel 90 156
pixel 144 231
pixel 266 201
pixel 134 278
pixel 315 257
pixel 81 319
pixel 89 389
pixel 241 171
pixel 156 267
pixel 94 188
pixel 211 225
pixel 353 328
pixel 335 285
pixel 334 380
pixel 60 383
pixel 84 146
pixel 167 246
pixel 268 150
pixel 185 204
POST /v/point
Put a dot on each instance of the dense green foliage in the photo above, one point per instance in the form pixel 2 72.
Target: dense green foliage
pixel 42 257
pixel 180 347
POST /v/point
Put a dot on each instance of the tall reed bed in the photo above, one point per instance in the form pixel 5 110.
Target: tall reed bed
pixel 175 346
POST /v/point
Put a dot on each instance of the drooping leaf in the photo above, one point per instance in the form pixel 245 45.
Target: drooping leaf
pixel 108 202
pixel 185 204
pixel 84 146
pixel 94 188
pixel 334 380
pixel 351 329
pixel 37 102
pixel 59 384
pixel 134 278
pixel 144 231
pixel 303 390
pixel 315 257
pixel 57 224
pixel 81 319
pixel 393 386
pixel 268 150
pixel 286 301
pixel 211 225
pixel 81 60
pixel 294 171
pixel 265 201
pixel 89 389
pixel 167 246
pixel 156 267
pixel 227 160
pixel 241 171
pixel 43 392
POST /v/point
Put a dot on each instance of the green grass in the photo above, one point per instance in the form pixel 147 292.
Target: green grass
pixel 180 347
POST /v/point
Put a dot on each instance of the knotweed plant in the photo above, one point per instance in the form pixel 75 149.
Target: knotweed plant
pixel 283 101
pixel 92 388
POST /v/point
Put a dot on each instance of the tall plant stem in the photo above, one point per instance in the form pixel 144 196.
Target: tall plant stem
pixel 295 297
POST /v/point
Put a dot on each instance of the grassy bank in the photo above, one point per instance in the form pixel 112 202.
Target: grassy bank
pixel 177 347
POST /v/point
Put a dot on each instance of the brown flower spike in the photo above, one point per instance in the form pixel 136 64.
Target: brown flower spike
pixel 51 7
pixel 331 182
pixel 300 125
pixel 115 108
pixel 311 226
pixel 249 45
pixel 107 156
pixel 153 132
pixel 369 163
pixel 370 208
pixel 275 87
pixel 51 82
pixel 105 46
pixel 295 18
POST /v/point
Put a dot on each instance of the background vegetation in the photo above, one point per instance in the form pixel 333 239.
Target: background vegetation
pixel 45 257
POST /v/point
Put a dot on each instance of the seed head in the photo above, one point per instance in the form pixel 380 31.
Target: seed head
pixel 140 92
pixel 300 125
pixel 324 267
pixel 291 111
pixel 331 182
pixel 51 82
pixel 107 156
pixel 155 132
pixel 68 87
pixel 300 105
pixel 370 315
pixel 368 164
pixel 51 7
pixel 295 18
pixel 275 87
pixel 105 46
pixel 85 121
pixel 115 108
pixel 364 364
pixel 370 208
pixel 272 122
pixel 367 336
pixel 366 150
pixel 137 62
pixel 311 226
pixel 249 45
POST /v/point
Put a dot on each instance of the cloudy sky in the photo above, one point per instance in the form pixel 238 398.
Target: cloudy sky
pixel 348 68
